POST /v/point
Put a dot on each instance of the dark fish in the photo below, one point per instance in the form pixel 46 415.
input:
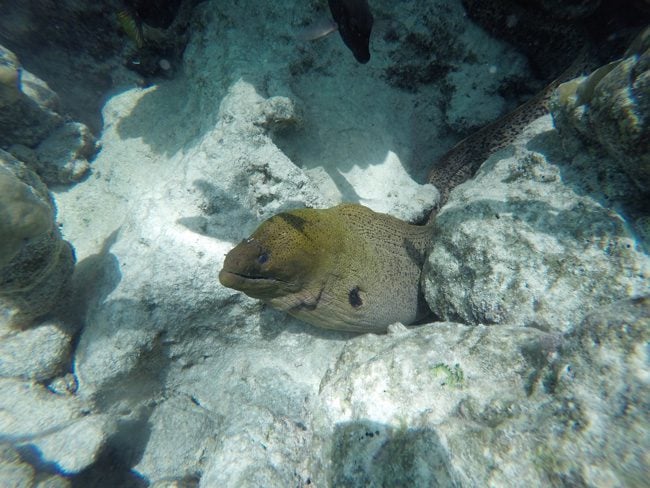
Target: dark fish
pixel 130 22
pixel 354 20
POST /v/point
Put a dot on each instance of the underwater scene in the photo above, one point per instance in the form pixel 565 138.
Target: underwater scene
pixel 324 243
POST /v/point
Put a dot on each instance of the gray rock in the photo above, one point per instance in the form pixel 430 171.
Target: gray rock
pixel 610 109
pixel 13 471
pixel 39 353
pixel 38 91
pixel 28 104
pixel 278 113
pixel 182 434
pixel 25 154
pixel 63 385
pixel 451 405
pixel 9 78
pixel 63 156
pixel 16 473
pixel 26 209
pixel 59 427
pixel 36 263
pixel 276 452
pixel 396 406
pixel 527 243
pixel 77 444
pixel 45 480
pixel 30 119
pixel 176 483
pixel 600 394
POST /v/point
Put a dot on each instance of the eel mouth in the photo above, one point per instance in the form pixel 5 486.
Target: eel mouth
pixel 245 282
pixel 256 286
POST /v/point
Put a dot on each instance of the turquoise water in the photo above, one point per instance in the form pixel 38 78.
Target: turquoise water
pixel 140 142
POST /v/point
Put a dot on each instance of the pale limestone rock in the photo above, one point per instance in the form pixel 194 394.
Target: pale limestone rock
pixel 60 428
pixel 38 353
pixel 528 242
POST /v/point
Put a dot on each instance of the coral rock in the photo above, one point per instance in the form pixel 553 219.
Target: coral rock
pixel 63 156
pixel 36 263
pixel 9 77
pixel 28 104
pixel 17 473
pixel 527 242
pixel 59 427
pixel 39 353
pixel 611 109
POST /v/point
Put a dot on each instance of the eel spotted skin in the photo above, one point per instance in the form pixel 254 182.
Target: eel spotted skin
pixel 346 267
pixel 463 160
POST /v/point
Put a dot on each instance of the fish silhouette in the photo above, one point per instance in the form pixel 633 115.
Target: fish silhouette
pixel 354 21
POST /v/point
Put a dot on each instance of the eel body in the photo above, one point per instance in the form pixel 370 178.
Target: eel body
pixel 462 161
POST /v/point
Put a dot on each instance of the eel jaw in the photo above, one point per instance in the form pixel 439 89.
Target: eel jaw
pixel 231 279
pixel 261 287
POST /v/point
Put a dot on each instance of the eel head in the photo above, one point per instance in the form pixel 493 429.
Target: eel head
pixel 281 258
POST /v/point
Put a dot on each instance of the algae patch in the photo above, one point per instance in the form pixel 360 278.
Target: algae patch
pixel 453 377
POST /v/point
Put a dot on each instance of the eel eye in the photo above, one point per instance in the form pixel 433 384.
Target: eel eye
pixel 263 258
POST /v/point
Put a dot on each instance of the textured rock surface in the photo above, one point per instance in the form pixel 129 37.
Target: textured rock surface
pixel 13 471
pixel 59 428
pixel 30 119
pixel 459 381
pixel 178 423
pixel 36 263
pixel 611 109
pixel 26 211
pixel 17 473
pixel 491 404
pixel 39 353
pixel 28 104
pixel 63 156
pixel 601 389
pixel 529 242
pixel 9 77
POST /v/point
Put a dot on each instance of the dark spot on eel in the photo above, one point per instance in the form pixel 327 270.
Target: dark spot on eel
pixel 354 297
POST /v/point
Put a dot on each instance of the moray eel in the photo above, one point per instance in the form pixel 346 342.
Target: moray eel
pixel 350 268
pixel 346 268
